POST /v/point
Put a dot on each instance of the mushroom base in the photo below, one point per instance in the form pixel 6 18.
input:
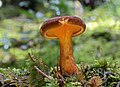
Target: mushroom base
pixel 68 66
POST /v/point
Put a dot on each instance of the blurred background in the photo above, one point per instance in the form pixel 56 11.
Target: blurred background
pixel 19 30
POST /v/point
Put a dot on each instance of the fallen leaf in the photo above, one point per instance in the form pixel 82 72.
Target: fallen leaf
pixel 95 81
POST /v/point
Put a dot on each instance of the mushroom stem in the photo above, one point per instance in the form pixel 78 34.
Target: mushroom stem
pixel 67 64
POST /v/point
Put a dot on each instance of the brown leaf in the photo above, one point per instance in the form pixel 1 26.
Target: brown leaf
pixel 95 81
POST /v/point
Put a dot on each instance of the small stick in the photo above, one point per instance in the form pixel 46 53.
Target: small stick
pixel 42 73
pixel 32 57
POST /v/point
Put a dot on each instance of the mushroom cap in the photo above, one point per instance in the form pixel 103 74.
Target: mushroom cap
pixel 57 22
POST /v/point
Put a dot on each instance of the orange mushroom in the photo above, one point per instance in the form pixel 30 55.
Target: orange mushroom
pixel 63 28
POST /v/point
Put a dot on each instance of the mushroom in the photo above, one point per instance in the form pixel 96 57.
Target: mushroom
pixel 64 28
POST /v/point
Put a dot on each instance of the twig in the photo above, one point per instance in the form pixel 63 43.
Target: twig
pixel 42 73
pixel 32 57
